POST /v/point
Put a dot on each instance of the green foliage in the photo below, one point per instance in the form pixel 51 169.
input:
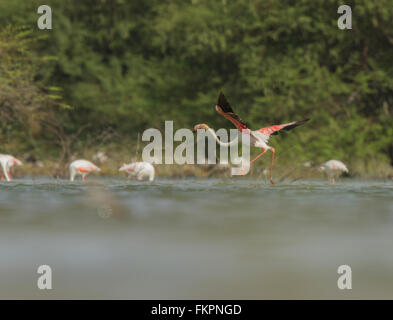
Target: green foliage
pixel 130 65
pixel 20 98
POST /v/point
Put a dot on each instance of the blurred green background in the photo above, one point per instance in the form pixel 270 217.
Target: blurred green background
pixel 110 69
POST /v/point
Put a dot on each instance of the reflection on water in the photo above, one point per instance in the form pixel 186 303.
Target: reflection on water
pixel 229 238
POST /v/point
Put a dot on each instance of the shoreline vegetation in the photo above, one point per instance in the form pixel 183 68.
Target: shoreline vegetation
pixel 285 168
pixel 99 78
pixel 110 169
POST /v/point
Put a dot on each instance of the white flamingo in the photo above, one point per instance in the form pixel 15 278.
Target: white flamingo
pixel 331 167
pixel 82 168
pixel 7 162
pixel 140 170
pixel 258 138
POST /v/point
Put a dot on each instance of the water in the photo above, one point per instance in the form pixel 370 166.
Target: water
pixel 213 238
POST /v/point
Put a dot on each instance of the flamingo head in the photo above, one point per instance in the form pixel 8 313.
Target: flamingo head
pixel 321 168
pixel 16 162
pixel 201 126
pixel 123 167
pixel 127 167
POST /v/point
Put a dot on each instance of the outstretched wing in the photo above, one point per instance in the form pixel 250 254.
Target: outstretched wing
pixel 224 108
pixel 273 130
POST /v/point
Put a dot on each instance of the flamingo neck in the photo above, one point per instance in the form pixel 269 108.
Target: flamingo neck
pixel 226 144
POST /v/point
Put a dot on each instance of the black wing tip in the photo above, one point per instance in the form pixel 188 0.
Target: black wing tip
pixel 293 125
pixel 221 100
pixel 297 123
pixel 223 103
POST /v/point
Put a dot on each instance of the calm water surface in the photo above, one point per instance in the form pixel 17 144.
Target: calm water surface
pixel 228 238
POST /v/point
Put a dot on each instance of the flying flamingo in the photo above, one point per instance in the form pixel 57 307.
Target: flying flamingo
pixel 82 168
pixel 331 167
pixel 258 138
pixel 141 170
pixel 7 162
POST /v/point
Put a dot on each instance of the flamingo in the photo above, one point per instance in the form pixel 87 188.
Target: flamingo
pixel 331 167
pixel 82 168
pixel 7 162
pixel 258 138
pixel 141 170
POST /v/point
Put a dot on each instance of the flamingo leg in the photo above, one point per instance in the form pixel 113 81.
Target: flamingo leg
pixel 259 155
pixel 2 177
pixel 9 174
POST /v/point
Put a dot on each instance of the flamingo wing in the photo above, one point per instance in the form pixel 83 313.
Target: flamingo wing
pixel 224 108
pixel 275 129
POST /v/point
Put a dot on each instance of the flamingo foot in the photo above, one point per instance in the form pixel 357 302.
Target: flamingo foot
pixel 271 181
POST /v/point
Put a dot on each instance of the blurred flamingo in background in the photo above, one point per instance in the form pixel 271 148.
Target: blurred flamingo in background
pixel 7 162
pixel 82 168
pixel 142 170
pixel 258 138
pixel 332 167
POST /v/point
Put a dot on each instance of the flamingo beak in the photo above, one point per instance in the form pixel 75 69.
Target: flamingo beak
pixel 201 126
pixel 123 167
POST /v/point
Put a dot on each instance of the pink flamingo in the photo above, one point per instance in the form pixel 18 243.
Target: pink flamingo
pixel 7 162
pixel 258 138
pixel 82 168
pixel 331 167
